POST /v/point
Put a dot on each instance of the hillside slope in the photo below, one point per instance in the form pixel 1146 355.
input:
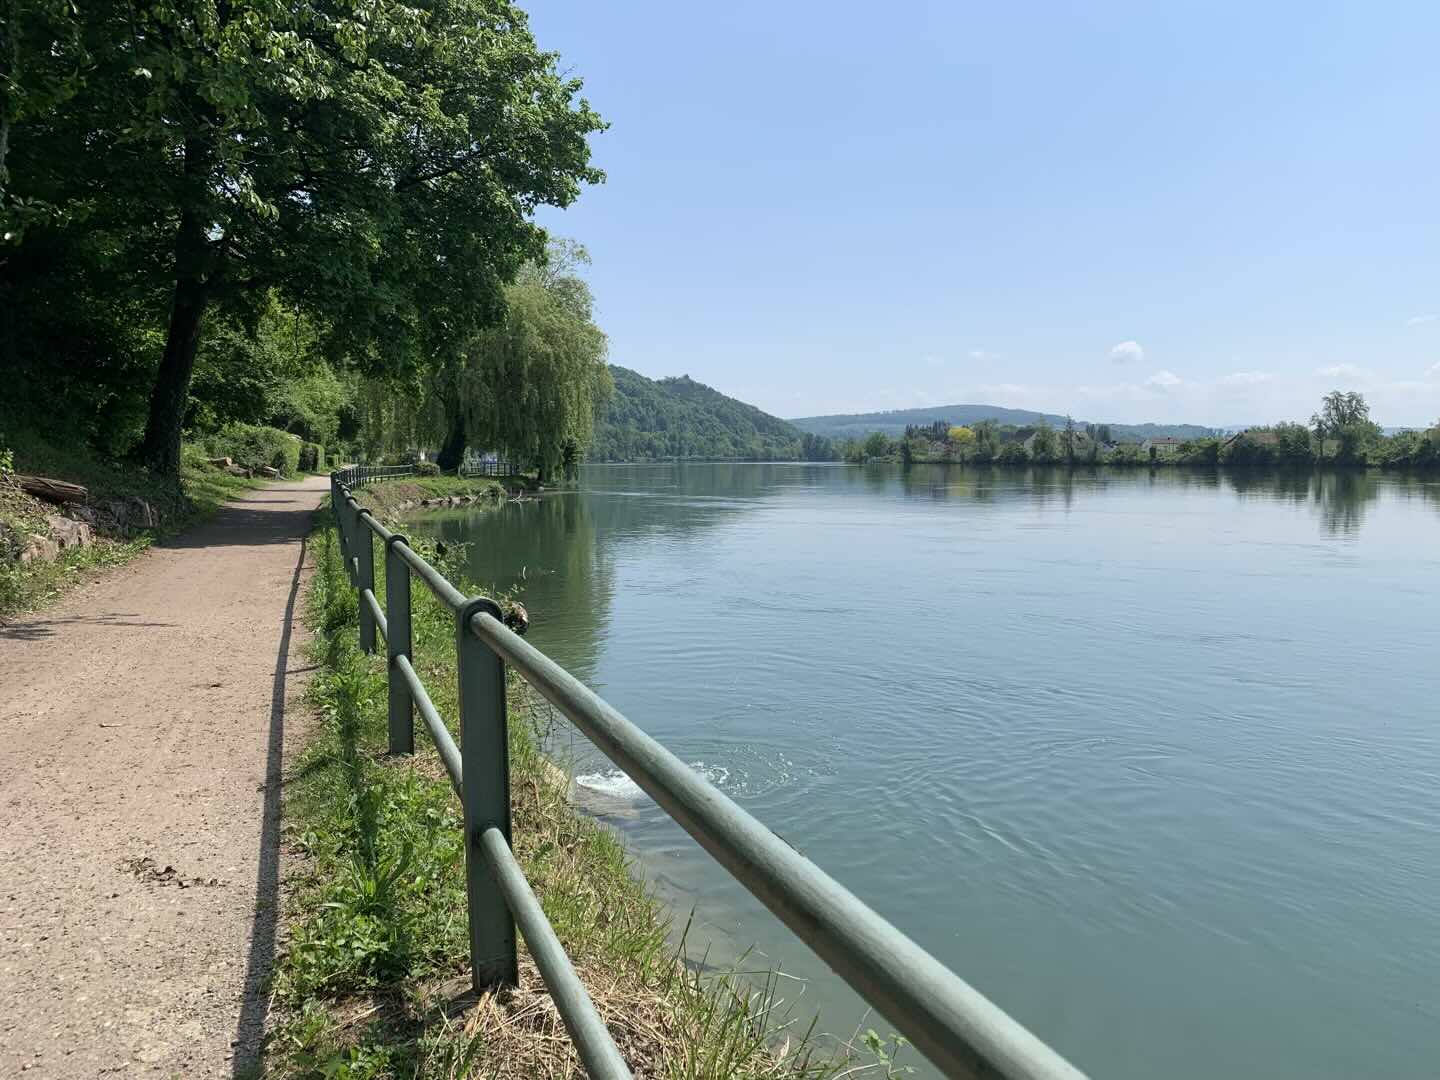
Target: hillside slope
pixel 858 425
pixel 893 424
pixel 647 419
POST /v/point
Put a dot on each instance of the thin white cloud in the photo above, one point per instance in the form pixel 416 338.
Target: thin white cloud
pixel 1420 320
pixel 1434 368
pixel 1163 379
pixel 1344 371
pixel 983 355
pixel 1247 378
pixel 1127 352
pixel 934 361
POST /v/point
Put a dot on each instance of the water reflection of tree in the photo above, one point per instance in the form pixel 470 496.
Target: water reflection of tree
pixel 1339 498
pixel 723 480
pixel 546 551
pixel 1342 498
pixel 559 552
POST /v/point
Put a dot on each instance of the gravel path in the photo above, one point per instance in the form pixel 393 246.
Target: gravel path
pixel 142 733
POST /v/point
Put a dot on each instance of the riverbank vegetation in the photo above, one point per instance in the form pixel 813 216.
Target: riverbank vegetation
pixel 374 979
pixel 394 497
pixel 1339 434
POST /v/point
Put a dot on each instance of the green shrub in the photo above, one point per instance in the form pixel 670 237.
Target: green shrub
pixel 257 447
pixel 195 456
pixel 312 457
pixel 426 468
pixel 1014 453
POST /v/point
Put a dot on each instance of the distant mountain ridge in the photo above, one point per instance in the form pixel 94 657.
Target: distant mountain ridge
pixel 650 419
pixel 677 417
pixel 894 422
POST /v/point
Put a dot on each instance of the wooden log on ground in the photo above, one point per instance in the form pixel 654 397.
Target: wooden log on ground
pixel 55 491
pixel 266 470
pixel 219 462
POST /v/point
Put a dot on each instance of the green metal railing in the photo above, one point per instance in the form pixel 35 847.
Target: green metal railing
pixel 947 1020
pixel 498 467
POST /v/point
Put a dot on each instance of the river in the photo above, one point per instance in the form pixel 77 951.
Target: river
pixel 1151 759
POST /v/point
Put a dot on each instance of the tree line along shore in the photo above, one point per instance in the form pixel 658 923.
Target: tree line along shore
pixel 1339 435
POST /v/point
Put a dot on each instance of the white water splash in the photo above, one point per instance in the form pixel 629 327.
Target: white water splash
pixel 615 784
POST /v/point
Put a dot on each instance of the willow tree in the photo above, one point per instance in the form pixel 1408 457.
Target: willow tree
pixel 531 383
pixel 378 164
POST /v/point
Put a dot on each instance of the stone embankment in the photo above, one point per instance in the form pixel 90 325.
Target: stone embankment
pixel 35 530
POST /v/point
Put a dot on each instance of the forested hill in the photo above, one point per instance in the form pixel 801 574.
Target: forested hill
pixel 893 424
pixel 679 417
pixel 858 425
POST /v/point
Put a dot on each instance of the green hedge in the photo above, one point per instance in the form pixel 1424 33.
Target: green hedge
pixel 312 457
pixel 256 447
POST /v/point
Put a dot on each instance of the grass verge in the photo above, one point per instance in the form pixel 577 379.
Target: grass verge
pixel 394 496
pixel 373 980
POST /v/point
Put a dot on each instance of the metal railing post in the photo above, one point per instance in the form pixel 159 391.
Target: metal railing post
pixel 364 579
pixel 485 793
pixel 398 644
pixel 337 505
pixel 351 549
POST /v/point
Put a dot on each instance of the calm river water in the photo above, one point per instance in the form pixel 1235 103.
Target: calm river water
pixel 1151 760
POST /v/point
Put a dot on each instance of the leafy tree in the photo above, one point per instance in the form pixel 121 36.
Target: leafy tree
pixel 1292 445
pixel 1126 454
pixel 378 165
pixel 1013 453
pixel 961 440
pixel 987 440
pixel 1412 450
pixel 532 383
pixel 1046 445
pixel 817 448
pixel 1202 451
pixel 877 445
pixel 1345 417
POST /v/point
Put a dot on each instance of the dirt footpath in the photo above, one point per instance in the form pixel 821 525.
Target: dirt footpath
pixel 143 725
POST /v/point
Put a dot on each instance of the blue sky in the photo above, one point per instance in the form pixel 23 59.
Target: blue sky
pixel 1207 213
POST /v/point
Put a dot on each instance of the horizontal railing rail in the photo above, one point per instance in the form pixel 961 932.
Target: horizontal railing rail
pixel 498 467
pixel 947 1020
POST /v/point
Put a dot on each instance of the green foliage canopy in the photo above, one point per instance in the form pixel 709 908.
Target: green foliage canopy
pixel 532 383
pixel 378 165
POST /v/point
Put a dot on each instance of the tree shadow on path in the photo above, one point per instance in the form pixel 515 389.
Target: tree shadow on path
pixel 255 1005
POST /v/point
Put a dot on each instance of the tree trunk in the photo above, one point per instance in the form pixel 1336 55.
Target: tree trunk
pixel 453 451
pixel 55 491
pixel 160 448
